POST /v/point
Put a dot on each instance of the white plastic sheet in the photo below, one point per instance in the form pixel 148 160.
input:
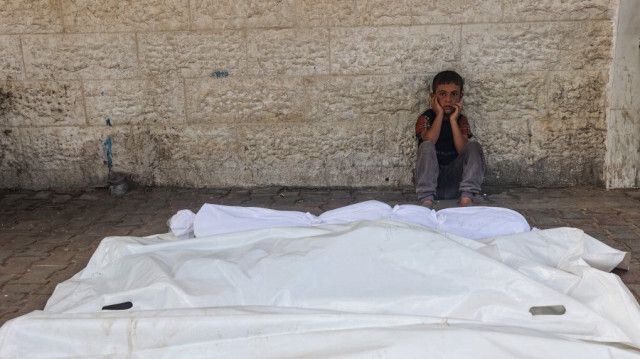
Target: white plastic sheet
pixel 469 222
pixel 367 288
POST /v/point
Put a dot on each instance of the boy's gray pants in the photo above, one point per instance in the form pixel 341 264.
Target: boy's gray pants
pixel 460 178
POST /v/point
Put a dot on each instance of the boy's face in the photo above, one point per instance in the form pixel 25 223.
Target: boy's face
pixel 447 95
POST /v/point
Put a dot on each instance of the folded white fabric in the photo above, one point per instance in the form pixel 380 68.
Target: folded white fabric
pixel 181 224
pixel 216 219
pixel 369 288
pixel 470 222
pixel 481 222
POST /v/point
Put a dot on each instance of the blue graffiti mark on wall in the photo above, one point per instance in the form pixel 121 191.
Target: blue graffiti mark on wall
pixel 107 146
pixel 108 121
pixel 219 74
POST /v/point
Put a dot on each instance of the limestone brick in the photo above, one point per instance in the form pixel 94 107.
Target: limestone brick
pixel 582 137
pixel 456 11
pixel 535 172
pixel 541 10
pixel 288 52
pixel 65 156
pixel 504 137
pixel 329 13
pixel 507 169
pixel 153 101
pixel 500 96
pixel 182 155
pixel 543 46
pixel 381 12
pixel 364 98
pixel 577 94
pixel 250 99
pixel 11 67
pixel 11 161
pixel 321 154
pixel 33 16
pixel 562 153
pixel 219 14
pixel 188 55
pixel 42 103
pixel 400 143
pixel 392 50
pixel 119 16
pixel 88 56
pixel 324 144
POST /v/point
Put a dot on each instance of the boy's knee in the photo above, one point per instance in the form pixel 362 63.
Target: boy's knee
pixel 473 147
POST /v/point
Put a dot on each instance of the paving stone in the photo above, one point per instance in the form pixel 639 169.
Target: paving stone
pixel 18 265
pixel 622 232
pixel 60 256
pixel 340 194
pixel 571 214
pixel 19 287
pixel 34 302
pixel 5 278
pixel 39 274
pixel 544 218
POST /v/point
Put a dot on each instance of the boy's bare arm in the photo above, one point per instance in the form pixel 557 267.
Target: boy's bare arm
pixel 459 140
pixel 433 133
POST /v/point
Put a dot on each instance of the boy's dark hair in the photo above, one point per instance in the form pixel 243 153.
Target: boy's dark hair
pixel 447 77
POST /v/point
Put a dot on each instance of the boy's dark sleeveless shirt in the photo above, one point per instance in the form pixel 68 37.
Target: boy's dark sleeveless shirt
pixel 445 148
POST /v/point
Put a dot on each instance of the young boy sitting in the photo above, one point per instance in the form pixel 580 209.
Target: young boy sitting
pixel 449 165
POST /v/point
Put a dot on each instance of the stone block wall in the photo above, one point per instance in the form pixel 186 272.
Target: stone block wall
pixel 211 93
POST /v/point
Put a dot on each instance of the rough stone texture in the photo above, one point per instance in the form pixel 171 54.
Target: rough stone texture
pixel 365 98
pixel 541 10
pixel 578 95
pixel 11 162
pixel 288 52
pixel 33 16
pixel 11 67
pixel 572 151
pixel 189 55
pixel 384 50
pixel 400 146
pixel 544 46
pixel 329 13
pixel 63 156
pixel 152 101
pixel 118 16
pixel 456 11
pixel 324 146
pixel 297 92
pixel 216 14
pixel 244 99
pixel 71 57
pixel 42 104
pixel 178 155
pixel 497 134
pixel 498 96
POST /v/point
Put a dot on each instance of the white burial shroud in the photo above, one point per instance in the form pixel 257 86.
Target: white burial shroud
pixel 358 282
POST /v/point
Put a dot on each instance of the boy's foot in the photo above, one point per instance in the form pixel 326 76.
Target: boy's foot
pixel 465 202
pixel 428 203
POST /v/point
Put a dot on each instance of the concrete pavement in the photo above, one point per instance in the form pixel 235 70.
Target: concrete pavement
pixel 48 236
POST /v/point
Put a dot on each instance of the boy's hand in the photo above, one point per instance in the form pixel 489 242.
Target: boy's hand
pixel 435 105
pixel 457 109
